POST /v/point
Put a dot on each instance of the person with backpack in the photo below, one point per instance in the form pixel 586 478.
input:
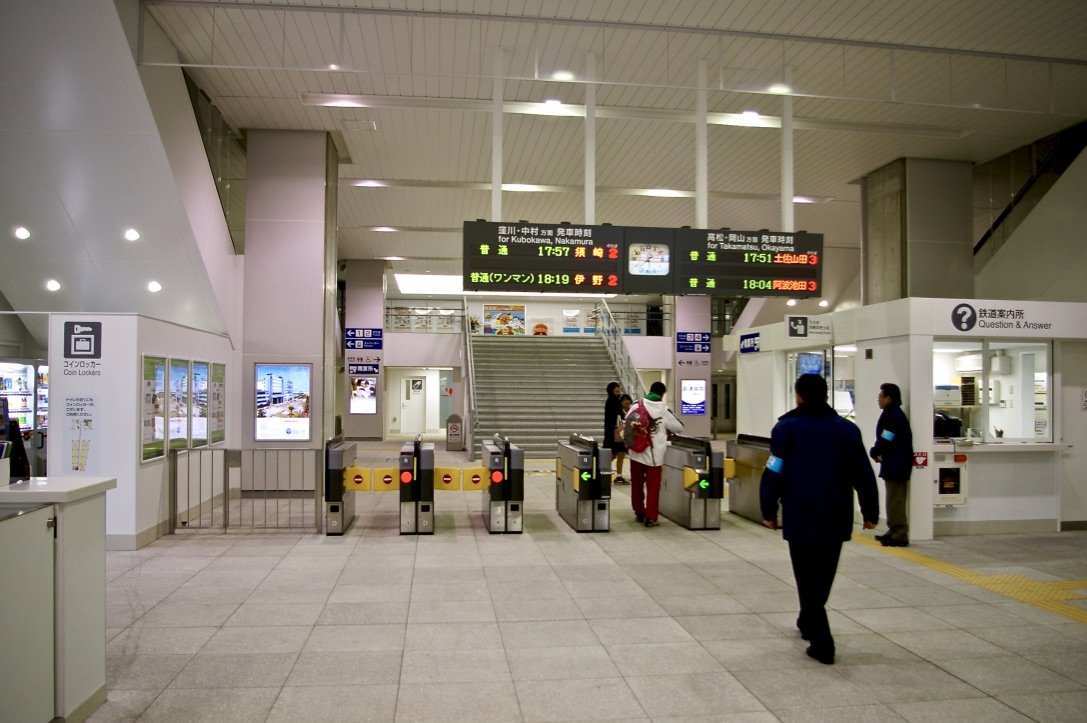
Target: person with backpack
pixel 646 427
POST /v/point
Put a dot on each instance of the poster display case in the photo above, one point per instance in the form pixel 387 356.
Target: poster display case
pixel 283 402
pixel 217 404
pixel 179 406
pixel 153 401
pixel 198 396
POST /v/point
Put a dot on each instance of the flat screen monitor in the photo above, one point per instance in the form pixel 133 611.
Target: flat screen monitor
pixel 809 362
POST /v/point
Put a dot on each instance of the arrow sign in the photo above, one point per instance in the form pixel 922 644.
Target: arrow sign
pixel 704 484
pixel 586 476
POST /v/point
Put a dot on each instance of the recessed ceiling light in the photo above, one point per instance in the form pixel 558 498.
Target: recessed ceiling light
pixel 22 233
pixel 391 258
pixel 824 303
pixel 665 193
pixel 383 229
pixel 370 184
pixel 333 100
pixel 779 88
pixel 751 113
pixel 520 187
pixel 791 302
pixel 154 287
pixel 333 66
pixel 562 75
pixel 132 234
pixel 552 101
pixel 52 285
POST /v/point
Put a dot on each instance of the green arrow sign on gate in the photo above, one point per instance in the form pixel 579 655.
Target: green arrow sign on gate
pixel 704 484
pixel 586 475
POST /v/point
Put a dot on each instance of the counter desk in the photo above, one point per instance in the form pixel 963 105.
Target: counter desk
pixel 74 510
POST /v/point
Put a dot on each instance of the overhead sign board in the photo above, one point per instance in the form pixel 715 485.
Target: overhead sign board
pixel 749 263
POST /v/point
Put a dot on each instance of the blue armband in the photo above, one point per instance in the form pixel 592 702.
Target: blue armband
pixel 775 464
pixel 888 435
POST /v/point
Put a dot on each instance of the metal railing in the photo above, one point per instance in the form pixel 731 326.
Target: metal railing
pixel 472 416
pixel 612 334
pixel 219 489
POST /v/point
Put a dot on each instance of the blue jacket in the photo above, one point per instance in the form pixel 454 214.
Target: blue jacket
pixel 817 461
pixel 894 445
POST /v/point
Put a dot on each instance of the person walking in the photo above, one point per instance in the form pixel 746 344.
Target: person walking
pixel 816 462
pixel 894 452
pixel 645 465
pixel 613 420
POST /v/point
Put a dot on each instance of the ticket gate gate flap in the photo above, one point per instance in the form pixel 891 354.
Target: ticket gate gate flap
pixel 386 479
pixel 447 478
pixel 358 479
pixel 474 478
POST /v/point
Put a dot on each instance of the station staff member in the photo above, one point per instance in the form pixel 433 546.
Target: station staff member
pixel 816 462
pixel 894 452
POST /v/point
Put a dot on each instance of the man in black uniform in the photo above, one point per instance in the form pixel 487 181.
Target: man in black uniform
pixel 894 452
pixel 816 462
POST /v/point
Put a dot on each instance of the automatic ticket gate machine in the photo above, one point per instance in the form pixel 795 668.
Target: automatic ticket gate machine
pixel 504 494
pixel 417 488
pixel 583 484
pixel 692 483
pixel 339 507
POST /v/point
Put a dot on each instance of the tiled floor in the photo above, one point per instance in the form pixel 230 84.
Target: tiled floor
pixel 637 624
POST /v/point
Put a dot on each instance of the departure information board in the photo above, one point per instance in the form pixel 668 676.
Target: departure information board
pixel 588 259
pixel 749 263
pixel 542 257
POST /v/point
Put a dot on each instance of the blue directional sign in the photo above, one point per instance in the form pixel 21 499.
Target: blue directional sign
pixel 356 369
pixel 362 333
pixel 362 344
pixel 693 342
pixel 749 343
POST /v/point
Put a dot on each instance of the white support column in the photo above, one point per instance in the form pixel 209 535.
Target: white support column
pixel 590 139
pixel 496 136
pixel 701 181
pixel 787 221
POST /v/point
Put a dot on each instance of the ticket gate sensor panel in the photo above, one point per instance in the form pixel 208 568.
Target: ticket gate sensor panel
pixel 417 488
pixel 692 483
pixel 583 484
pixel 504 492
pixel 339 504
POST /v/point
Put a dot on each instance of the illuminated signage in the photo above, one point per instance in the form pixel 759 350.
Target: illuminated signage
pixel 749 263
pixel 749 343
pixel 693 396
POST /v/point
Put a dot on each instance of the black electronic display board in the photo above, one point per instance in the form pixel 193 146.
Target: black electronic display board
pixel 648 260
pixel 748 263
pixel 564 258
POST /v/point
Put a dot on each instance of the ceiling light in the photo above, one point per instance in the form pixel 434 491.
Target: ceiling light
pixel 562 75
pixel 779 89
pixel 154 287
pixel 52 285
pixel 846 348
pixel 552 101
pixel 520 187
pixel 803 199
pixel 383 229
pixel 665 193
pixel 132 235
pixel 824 303
pixel 370 184
pixel 391 258
pixel 750 113
pixel 22 233
pixel 333 100
pixel 333 66
pixel 791 302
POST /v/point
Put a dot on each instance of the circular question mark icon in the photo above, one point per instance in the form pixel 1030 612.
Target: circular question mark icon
pixel 964 317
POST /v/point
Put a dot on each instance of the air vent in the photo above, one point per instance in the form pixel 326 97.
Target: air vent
pixel 360 125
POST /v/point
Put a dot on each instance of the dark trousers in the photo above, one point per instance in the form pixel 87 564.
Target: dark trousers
pixel 645 490
pixel 814 567
pixel 898 528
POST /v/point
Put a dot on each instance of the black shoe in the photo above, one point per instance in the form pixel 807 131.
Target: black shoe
pixel 639 518
pixel 884 536
pixel 888 542
pixel 651 523
pixel 621 480
pixel 824 658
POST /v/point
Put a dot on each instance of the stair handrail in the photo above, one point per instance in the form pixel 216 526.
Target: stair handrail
pixel 612 334
pixel 1072 141
pixel 470 385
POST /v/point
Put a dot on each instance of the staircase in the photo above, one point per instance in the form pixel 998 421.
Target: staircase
pixel 536 390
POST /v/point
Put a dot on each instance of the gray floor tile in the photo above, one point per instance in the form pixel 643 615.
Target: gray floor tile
pixel 561 663
pixel 896 620
pixel 451 611
pixel 160 641
pixel 547 634
pixel 355 638
pixel 258 639
pixel 242 670
pixel 997 676
pixel 813 686
pixel 713 604
pixel 758 653
pixel 424 702
pixel 974 616
pixel 394 592
pixel 634 606
pixel 372 667
pixel 463 666
pixel 640 630
pixel 526 610
pixel 568 700
pixel 230 705
pixel 692 695
pixel 971 710
pixel 144 672
pixel 123 706
pixel 1070 665
pixel 728 627
pixel 662 659
pixel 453 636
pixel 1063 707
pixel 275 614
pixel 939 645
pixel 1032 640
pixel 374 613
pixel 874 712
pixel 900 681
pixel 364 703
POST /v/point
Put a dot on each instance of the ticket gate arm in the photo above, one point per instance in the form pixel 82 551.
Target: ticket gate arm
pixel 447 478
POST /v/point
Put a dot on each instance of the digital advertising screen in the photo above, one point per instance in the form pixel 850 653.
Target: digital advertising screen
pixel 363 396
pixel 692 396
pixel 557 258
pixel 749 263
pixel 809 362
pixel 283 402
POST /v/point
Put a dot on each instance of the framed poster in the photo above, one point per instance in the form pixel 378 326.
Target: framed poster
pixel 199 397
pixel 363 395
pixel 503 320
pixel 217 404
pixel 178 405
pixel 152 404
pixel 283 402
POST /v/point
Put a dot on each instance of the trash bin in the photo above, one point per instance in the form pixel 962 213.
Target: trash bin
pixel 454 433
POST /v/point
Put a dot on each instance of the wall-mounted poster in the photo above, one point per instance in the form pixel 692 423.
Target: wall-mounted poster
pixel 363 395
pixel 178 406
pixel 152 406
pixel 283 402
pixel 693 396
pixel 504 320
pixel 199 406
pixel 81 429
pixel 217 404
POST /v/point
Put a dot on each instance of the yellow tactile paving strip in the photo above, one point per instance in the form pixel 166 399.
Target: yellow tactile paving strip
pixel 1048 596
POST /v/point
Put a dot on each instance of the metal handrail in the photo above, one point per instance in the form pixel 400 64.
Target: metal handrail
pixel 617 351
pixel 470 386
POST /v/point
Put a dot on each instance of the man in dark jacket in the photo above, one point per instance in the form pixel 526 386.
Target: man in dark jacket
pixel 894 452
pixel 816 462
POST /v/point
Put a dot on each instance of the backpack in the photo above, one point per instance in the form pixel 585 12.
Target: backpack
pixel 638 428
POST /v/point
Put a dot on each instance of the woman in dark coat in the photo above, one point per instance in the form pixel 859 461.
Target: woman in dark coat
pixel 613 417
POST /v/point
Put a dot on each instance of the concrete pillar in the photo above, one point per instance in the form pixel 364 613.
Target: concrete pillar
pixel 290 269
pixel 364 308
pixel 692 315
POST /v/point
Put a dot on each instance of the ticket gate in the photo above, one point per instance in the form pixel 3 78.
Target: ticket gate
pixel 504 495
pixel 339 507
pixel 692 483
pixel 417 488
pixel 583 484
